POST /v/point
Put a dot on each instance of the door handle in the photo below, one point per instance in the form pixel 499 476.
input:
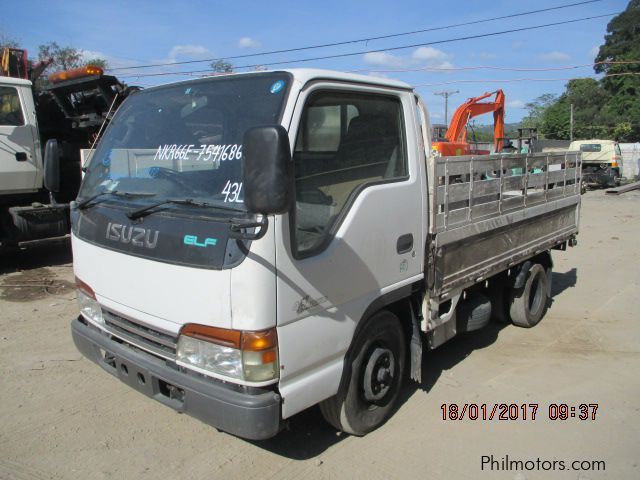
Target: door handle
pixel 404 243
pixel 21 157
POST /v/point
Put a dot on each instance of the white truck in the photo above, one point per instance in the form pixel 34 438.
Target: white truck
pixel 250 245
pixel 62 117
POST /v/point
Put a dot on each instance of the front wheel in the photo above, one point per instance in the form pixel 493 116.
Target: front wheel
pixel 372 378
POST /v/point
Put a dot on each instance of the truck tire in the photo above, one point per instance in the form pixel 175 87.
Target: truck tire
pixel 528 304
pixel 372 379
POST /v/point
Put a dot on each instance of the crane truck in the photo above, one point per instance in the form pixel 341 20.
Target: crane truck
pixel 63 116
pixel 246 246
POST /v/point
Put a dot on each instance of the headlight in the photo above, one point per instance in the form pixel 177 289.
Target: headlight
pixel 247 356
pixel 89 306
pixel 215 358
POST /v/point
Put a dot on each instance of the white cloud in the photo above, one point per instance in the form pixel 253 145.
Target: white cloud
pixel 189 51
pixel 429 54
pixel 555 56
pixel 432 57
pixel 383 59
pixel 429 57
pixel 593 52
pixel 446 66
pixel 248 42
pixel 515 104
pixel 517 45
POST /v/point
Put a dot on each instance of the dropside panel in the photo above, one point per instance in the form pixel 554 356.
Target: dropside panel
pixel 491 212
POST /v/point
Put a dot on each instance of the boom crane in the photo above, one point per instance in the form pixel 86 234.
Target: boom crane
pixel 456 136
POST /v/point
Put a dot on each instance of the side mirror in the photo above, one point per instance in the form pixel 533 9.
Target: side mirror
pixel 52 166
pixel 267 170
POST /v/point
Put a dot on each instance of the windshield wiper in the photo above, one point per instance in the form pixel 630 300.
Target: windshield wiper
pixel 87 202
pixel 148 210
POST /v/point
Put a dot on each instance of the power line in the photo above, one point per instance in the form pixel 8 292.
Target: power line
pixel 513 80
pixel 404 47
pixel 436 69
pixel 360 40
pixel 489 67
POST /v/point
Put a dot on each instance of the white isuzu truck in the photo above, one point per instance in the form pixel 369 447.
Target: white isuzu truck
pixel 249 245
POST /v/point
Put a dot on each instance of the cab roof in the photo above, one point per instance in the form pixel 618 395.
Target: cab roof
pixel 15 81
pixel 305 75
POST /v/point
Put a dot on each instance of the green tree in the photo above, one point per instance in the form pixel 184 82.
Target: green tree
pixel 98 62
pixel 537 108
pixel 221 66
pixel 7 40
pixel 622 44
pixel 65 58
pixel 622 131
pixel 589 119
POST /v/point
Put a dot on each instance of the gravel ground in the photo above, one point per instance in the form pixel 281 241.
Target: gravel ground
pixel 63 417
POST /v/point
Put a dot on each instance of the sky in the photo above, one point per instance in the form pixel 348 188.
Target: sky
pixel 133 33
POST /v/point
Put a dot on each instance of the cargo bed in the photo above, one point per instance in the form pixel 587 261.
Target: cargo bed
pixel 493 211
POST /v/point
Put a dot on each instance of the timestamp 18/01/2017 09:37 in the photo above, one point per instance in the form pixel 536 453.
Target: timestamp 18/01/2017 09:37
pixel 517 411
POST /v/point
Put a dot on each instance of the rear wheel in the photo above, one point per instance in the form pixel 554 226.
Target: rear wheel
pixel 372 378
pixel 528 304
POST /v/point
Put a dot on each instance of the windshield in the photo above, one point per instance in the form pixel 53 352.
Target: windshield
pixel 184 141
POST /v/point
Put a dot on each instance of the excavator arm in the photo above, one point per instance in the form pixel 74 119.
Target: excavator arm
pixel 457 132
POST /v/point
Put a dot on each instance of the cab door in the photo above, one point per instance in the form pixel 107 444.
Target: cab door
pixel 19 155
pixel 354 236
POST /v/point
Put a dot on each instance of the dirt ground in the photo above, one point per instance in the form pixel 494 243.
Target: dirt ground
pixel 63 417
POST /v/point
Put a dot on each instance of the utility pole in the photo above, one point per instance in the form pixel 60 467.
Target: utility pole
pixel 446 96
pixel 571 124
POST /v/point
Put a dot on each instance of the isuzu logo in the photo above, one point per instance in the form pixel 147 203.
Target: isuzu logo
pixel 138 236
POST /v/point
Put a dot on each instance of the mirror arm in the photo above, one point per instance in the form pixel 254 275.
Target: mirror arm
pixel 237 229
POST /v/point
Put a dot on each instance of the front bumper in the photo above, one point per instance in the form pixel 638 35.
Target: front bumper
pixel 255 416
pixel 596 176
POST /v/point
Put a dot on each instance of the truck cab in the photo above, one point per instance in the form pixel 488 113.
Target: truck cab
pixel 246 246
pixel 20 155
pixel 60 118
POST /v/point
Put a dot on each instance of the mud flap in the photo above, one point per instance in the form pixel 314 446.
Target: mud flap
pixel 415 346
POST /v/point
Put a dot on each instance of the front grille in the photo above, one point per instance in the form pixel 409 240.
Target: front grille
pixel 141 336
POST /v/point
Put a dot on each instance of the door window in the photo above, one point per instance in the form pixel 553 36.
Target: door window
pixel 10 109
pixel 345 141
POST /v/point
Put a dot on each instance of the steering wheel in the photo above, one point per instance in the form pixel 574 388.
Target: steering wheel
pixel 169 174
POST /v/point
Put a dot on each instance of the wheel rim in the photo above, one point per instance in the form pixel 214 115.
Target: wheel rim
pixel 379 376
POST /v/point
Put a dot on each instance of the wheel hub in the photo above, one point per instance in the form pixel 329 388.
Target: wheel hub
pixel 378 374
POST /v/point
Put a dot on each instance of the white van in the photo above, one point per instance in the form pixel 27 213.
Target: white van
pixel 600 161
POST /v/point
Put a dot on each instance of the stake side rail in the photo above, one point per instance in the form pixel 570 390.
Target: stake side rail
pixel 490 212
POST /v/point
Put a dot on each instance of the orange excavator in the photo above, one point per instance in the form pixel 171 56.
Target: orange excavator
pixel 456 136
